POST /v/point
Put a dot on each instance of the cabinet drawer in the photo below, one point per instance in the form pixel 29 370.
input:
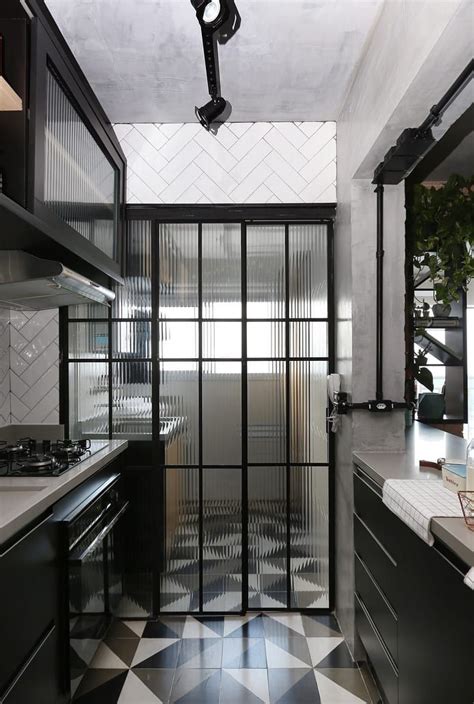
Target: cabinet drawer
pixel 386 674
pixel 28 595
pixel 38 681
pixel 370 508
pixel 378 560
pixel 380 611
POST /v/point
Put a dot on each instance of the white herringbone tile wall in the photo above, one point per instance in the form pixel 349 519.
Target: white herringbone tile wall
pixel 34 367
pixel 255 162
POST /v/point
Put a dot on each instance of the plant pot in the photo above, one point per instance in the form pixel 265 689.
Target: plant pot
pixel 441 310
pixel 431 406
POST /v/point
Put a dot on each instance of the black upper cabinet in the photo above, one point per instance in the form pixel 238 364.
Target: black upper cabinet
pixel 72 166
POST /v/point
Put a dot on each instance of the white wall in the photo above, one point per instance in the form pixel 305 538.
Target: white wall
pixel 416 50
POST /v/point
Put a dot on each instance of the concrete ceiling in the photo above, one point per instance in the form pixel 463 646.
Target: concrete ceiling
pixel 289 60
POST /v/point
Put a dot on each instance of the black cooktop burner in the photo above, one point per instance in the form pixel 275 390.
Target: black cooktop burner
pixel 31 458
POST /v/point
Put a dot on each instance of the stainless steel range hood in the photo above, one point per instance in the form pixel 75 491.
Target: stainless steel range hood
pixel 30 283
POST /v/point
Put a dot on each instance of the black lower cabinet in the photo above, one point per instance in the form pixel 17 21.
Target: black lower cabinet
pixel 414 614
pixel 29 577
pixel 37 682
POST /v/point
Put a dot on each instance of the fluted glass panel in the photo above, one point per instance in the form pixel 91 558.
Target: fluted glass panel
pixel 131 339
pixel 221 340
pixel 265 340
pixel 266 411
pixel 267 537
pixel 88 340
pixel 265 271
pixel 308 386
pixel 308 271
pixel 131 400
pixel 308 339
pixel 178 340
pixel 309 537
pixel 79 180
pixel 222 539
pixel 133 299
pixel 221 271
pixel 88 400
pixel 178 271
pixel 179 409
pixel 180 575
pixel 88 310
pixel 222 413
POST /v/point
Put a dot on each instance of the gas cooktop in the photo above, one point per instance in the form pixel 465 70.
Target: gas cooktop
pixel 45 458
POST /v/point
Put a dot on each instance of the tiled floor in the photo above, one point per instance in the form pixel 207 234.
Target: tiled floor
pixel 276 658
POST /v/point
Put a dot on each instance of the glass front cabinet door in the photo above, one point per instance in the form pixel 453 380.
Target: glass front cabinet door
pixel 77 165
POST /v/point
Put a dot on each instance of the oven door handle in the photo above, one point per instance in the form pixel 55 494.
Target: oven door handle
pixel 77 557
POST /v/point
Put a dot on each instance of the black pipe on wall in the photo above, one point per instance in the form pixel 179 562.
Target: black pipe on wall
pixel 379 285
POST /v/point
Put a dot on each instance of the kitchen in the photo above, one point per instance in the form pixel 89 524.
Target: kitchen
pixel 230 355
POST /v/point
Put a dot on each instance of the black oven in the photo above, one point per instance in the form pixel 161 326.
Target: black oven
pixel 94 572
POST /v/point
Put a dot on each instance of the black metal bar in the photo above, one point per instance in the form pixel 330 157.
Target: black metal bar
pixel 110 368
pixel 379 285
pixel 200 424
pixel 299 212
pixel 245 512
pixel 447 98
pixel 158 457
pixel 288 418
pixel 331 435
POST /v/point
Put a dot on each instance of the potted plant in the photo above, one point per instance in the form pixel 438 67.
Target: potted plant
pixel 444 237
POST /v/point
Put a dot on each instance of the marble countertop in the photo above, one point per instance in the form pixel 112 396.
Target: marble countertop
pixel 424 443
pixel 22 499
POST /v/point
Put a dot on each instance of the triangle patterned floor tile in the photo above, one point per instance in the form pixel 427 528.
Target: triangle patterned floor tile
pixel 333 693
pixel 163 629
pixel 137 627
pixel 134 691
pixel 244 653
pixel 279 658
pixel 102 687
pixel 196 687
pixel 234 623
pixel 255 681
pixel 349 680
pixel 120 629
pixel 214 623
pixel 305 691
pixel 105 658
pixel 200 653
pixel 158 681
pixel 250 628
pixel 157 653
pixel 292 622
pixel 281 680
pixel 339 657
pixel 124 648
pixel 195 629
pixel 320 648
pixel 315 628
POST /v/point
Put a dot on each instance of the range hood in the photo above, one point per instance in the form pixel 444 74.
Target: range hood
pixel 30 283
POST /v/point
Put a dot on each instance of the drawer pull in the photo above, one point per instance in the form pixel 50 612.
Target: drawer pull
pixel 374 537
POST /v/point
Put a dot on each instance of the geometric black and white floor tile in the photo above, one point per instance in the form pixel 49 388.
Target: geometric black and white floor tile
pixel 274 658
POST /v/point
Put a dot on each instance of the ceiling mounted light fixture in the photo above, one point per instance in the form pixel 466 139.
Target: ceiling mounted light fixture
pixel 212 16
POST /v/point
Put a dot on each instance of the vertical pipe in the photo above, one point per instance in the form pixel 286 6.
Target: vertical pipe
pixel 379 284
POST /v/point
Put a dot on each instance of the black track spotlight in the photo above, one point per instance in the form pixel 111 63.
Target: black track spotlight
pixel 210 112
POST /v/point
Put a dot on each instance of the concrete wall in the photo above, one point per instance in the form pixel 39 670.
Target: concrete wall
pixel 416 50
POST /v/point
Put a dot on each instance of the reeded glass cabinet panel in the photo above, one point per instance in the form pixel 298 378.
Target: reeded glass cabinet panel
pixel 80 183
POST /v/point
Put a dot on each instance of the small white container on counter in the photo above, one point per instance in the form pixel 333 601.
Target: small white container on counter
pixel 454 475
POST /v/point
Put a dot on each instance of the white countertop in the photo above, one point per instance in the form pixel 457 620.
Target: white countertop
pixel 22 499
pixel 424 443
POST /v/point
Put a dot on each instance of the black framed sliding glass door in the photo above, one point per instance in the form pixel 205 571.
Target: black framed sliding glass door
pixel 243 356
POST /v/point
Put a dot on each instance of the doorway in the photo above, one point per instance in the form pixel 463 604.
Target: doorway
pixel 244 346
